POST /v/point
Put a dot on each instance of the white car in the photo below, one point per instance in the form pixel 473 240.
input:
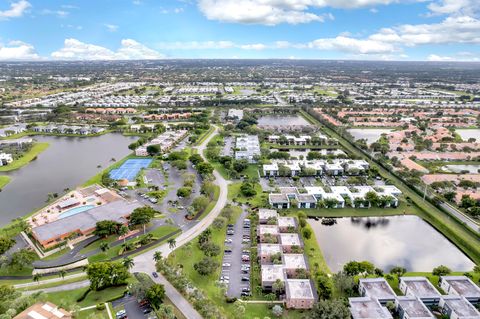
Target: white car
pixel 226 265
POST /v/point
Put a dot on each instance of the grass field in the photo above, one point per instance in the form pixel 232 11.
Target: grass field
pixel 4 180
pixel 31 155
pixel 94 297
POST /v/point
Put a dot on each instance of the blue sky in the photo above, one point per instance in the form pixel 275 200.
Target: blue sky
pixel 436 30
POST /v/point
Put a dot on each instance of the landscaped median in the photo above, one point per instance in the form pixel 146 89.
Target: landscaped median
pixel 29 156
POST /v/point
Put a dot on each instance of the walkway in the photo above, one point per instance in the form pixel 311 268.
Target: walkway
pixel 47 281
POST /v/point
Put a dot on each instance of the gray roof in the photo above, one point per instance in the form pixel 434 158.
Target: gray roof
pixel 116 211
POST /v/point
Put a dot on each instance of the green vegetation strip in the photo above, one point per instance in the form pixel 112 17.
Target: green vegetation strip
pixel 449 226
pixel 205 136
pixel 36 149
pixel 4 180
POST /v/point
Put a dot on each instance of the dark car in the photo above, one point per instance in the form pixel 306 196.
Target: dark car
pixel 155 275
pixel 245 294
pixel 245 289
pixel 245 278
pixel 228 250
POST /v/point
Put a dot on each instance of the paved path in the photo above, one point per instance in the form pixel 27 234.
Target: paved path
pixel 145 263
pixel 465 219
pixel 66 287
pixel 46 281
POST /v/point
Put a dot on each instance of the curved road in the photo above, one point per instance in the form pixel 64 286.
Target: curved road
pixel 145 263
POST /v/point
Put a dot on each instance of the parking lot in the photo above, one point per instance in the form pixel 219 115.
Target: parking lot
pixel 236 259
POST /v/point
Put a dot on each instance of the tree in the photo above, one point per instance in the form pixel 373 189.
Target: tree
pixel 200 203
pixel 184 192
pixel 277 311
pixel 247 189
pixel 329 309
pixel 62 273
pixel 153 150
pixel 165 312
pixel 128 262
pixel 240 165
pixel 36 277
pixel 278 286
pixel 106 274
pixel 106 228
pixel 104 246
pixel 122 231
pixel 307 233
pixel 142 216
pixel 195 159
pixel 155 295
pixel 208 189
pixel 206 266
pixel 354 268
pixel 204 168
pixel 210 249
pixel 325 286
pixel 398 271
pixel 6 244
pixel 344 283
pixel 157 256
pixel 172 243
pixel 22 258
pixel 441 271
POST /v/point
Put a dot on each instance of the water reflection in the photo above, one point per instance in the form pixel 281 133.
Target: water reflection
pixel 405 241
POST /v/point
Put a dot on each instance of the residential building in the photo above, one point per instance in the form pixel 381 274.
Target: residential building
pixel 367 308
pixel 461 286
pixel 264 215
pixel 44 310
pixel 290 241
pixel 457 307
pixel 376 288
pixel 299 294
pixel 248 148
pixel 412 308
pixel 420 287
pixel 270 274
pixel 266 251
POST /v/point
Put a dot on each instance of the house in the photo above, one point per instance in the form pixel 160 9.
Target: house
pixel 267 231
pixel 279 201
pixel 334 169
pixel 376 288
pixel 289 241
pixel 367 308
pixel 420 287
pixel 457 307
pixel 44 310
pixel 270 170
pixel 461 286
pixel 264 215
pixel 235 114
pixel 286 224
pixel 299 294
pixel 412 308
pixel 266 251
pixel 292 262
pixel 306 201
pixel 270 274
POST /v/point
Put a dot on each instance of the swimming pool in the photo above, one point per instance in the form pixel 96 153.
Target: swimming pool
pixel 75 210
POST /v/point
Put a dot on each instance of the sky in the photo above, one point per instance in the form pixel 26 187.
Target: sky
pixel 410 30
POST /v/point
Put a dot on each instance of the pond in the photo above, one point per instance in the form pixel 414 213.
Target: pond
pixel 405 241
pixel 369 134
pixel 67 162
pixel 282 120
pixel 465 134
pixel 459 168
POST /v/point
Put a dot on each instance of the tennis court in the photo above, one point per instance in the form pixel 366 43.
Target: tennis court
pixel 130 169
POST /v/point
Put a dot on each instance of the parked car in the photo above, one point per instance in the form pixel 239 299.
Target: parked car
pixel 244 278
pixel 155 275
pixel 226 265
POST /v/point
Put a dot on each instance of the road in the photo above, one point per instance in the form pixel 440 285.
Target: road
pixel 65 287
pixel 145 263
pixel 467 220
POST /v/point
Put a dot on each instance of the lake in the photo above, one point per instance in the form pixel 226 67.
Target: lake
pixel 282 120
pixel 465 134
pixel 405 241
pixel 459 168
pixel 370 134
pixel 67 162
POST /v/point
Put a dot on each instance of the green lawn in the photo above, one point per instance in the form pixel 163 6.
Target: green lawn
pixel 93 298
pixel 4 180
pixel 39 285
pixel 258 200
pixel 31 155
pixel 91 312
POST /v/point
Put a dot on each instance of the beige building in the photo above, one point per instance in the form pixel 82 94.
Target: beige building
pixel 45 310
pixel 299 294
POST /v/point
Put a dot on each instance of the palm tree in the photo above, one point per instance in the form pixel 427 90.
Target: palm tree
pixel 62 273
pixel 172 243
pixel 157 256
pixel 36 278
pixel 104 246
pixel 122 231
pixel 128 262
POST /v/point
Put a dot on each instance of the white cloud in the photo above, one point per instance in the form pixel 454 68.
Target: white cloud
pixel 254 46
pixel 273 12
pixel 111 27
pixel 434 57
pixel 17 50
pixel 17 9
pixel 210 45
pixel 347 44
pixel 453 29
pixel 455 7
pixel 130 50
pixel 58 13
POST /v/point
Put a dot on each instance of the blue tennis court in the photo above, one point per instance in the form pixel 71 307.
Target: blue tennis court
pixel 130 169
